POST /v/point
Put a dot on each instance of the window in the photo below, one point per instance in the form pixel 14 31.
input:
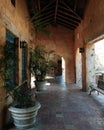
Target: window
pixel 13 2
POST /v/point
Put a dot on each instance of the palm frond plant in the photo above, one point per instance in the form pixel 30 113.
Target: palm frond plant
pixel 22 99
pixel 41 61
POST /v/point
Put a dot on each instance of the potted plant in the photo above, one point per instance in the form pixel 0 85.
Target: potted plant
pixel 24 106
pixel 41 61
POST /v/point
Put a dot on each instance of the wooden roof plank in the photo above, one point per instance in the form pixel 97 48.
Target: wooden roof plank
pixel 56 11
pixel 46 17
pixel 68 19
pixel 68 13
pixel 72 10
pixel 45 21
pixel 65 25
pixel 67 22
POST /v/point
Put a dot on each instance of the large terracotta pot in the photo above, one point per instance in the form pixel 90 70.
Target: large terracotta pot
pixel 24 117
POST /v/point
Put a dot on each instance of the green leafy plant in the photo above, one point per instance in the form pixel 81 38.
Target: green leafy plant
pixel 41 61
pixel 21 94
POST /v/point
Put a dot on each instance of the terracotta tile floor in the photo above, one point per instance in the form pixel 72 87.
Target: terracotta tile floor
pixel 65 107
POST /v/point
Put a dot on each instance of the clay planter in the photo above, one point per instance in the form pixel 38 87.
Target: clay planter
pixel 24 117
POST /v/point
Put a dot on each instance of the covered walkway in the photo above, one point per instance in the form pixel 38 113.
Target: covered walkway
pixel 66 107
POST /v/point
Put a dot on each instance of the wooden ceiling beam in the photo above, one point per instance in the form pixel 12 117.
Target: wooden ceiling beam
pixel 56 11
pixel 39 4
pixel 65 25
pixel 47 13
pixel 46 17
pixel 33 3
pixel 49 8
pixel 45 21
pixel 46 6
pixel 68 14
pixel 67 22
pixel 41 15
pixel 75 5
pixel 72 10
pixel 68 19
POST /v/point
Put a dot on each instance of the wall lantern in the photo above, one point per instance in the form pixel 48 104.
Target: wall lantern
pixel 23 44
pixel 81 50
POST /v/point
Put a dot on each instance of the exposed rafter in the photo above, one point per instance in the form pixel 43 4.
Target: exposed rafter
pixel 68 7
pixel 39 4
pixel 67 13
pixel 67 22
pixel 56 11
pixel 68 19
pixel 75 6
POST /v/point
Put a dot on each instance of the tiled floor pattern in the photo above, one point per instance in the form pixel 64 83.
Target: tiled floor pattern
pixel 66 107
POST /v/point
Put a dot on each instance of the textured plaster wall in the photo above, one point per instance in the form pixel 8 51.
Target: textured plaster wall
pixel 61 41
pixel 15 20
pixel 90 61
pixel 78 69
pixel 89 30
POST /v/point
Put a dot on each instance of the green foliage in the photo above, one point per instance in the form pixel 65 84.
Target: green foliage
pixel 40 61
pixel 9 65
pixel 20 94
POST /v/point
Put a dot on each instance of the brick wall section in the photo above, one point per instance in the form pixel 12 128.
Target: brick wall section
pixel 61 40
pixel 91 27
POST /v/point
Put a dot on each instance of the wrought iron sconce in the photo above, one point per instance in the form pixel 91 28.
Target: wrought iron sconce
pixel 23 44
pixel 81 50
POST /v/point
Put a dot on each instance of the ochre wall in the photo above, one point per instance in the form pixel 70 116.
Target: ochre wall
pixel 61 40
pixel 15 17
pixel 15 20
pixel 90 28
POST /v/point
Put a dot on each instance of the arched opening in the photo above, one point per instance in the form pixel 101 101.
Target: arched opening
pixel 54 72
pixel 59 70
pixel 63 69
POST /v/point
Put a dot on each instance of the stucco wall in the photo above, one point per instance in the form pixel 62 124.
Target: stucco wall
pixel 78 68
pixel 90 67
pixel 91 28
pixel 15 20
pixel 61 40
